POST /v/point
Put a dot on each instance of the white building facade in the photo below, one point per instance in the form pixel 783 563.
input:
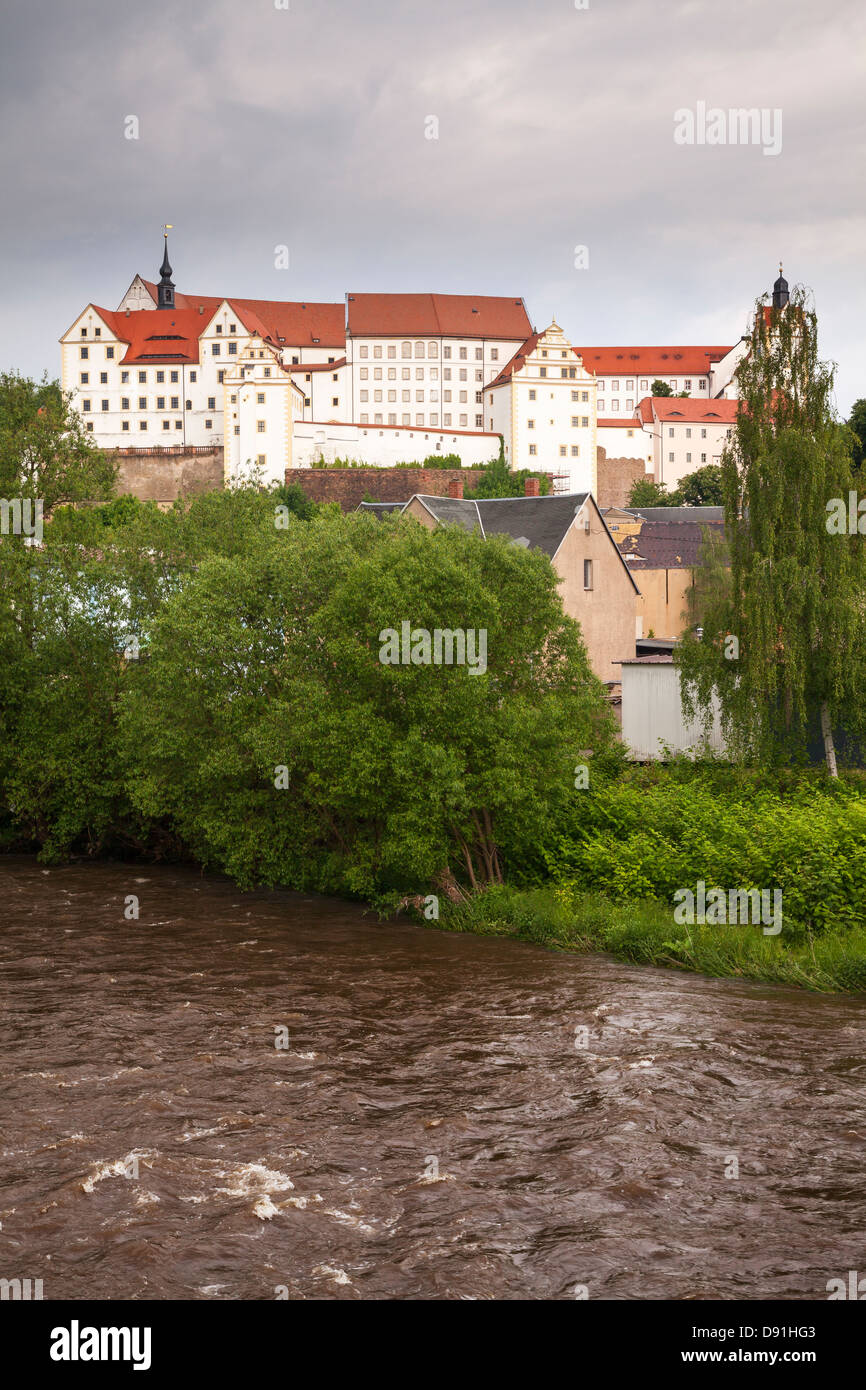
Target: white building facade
pixel 685 435
pixel 379 378
pixel 422 360
pixel 625 375
pixel 543 405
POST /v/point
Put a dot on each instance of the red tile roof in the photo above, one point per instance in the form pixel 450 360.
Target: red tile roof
pixel 517 361
pixel 688 410
pixel 293 324
pixel 438 315
pixel 163 335
pixel 658 361
pixel 628 422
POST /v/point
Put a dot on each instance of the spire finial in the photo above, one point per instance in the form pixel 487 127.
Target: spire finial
pixel 165 288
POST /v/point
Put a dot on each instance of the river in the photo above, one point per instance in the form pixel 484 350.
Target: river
pixel 433 1123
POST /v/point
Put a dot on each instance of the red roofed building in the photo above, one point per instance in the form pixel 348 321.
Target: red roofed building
pixel 422 360
pixel 686 434
pixel 542 402
pixel 408 370
pixel 626 374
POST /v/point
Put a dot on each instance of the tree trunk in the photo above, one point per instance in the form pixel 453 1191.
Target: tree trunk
pixel 827 733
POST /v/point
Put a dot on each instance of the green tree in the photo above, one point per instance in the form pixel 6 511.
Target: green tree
pixel 703 488
pixel 45 452
pixel 857 423
pixel 75 620
pixel 645 492
pixel 267 668
pixel 788 640
pixel 661 388
pixel 498 480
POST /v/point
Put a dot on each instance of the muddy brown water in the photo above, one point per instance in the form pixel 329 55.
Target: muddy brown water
pixel 431 1129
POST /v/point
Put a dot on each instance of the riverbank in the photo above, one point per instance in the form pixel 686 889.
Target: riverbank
pixel 645 933
pixel 250 1096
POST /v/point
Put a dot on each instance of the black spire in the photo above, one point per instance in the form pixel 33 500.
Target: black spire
pixel 165 289
pixel 780 290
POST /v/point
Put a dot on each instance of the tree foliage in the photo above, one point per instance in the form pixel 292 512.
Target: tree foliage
pixel 498 480
pixel 797 596
pixel 45 452
pixel 703 488
pixel 646 492
pixel 857 424
pixel 157 668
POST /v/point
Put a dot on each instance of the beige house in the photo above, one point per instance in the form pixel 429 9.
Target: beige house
pixel 596 585
pixel 662 547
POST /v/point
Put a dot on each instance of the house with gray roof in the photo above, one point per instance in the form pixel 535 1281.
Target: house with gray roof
pixel 596 585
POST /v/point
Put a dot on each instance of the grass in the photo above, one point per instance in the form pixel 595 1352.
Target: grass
pixel 645 933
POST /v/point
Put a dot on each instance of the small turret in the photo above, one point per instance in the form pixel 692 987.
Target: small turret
pixel 165 288
pixel 780 291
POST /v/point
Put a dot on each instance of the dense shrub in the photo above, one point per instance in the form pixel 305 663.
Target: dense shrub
pixel 647 836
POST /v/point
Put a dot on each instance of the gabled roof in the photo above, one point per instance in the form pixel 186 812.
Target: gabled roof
pixel 541 523
pixel 166 335
pixel 293 323
pixel 516 362
pixel 437 315
pixel 660 361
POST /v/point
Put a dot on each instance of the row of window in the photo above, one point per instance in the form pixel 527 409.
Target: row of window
pixel 577 422
pixel 674 383
pixel 142 425
pixel 406 396
pixel 174 403
pixel 614 406
pixel 173 376
pixel 84 353
pixel 447 421
pixel 563 449
pixel 420 374
pixel 575 396
pixel 419 350
pixel 688 458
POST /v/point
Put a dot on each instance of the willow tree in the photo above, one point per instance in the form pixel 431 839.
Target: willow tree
pixel 785 639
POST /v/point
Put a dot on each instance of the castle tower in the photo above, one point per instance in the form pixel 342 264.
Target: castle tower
pixel 165 288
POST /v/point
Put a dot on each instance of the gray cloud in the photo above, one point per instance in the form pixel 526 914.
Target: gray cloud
pixel 306 127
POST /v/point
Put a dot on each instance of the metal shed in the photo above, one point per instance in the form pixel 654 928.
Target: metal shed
pixel 653 724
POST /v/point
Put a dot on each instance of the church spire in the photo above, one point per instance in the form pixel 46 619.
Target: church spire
pixel 780 291
pixel 165 289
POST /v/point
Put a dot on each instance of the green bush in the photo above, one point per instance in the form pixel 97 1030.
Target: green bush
pixel 644 837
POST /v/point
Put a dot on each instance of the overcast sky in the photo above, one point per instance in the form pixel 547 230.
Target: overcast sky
pixel 261 127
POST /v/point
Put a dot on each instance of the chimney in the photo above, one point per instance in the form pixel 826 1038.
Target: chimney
pixel 455 487
pixel 530 488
